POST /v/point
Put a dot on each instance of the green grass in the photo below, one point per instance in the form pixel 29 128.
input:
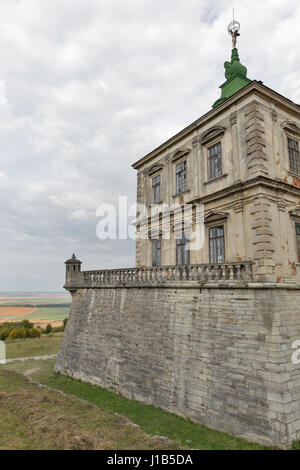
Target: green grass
pixel 153 421
pixel 43 346
pixel 40 419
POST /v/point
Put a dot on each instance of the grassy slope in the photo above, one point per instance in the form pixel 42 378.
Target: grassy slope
pixel 44 346
pixel 153 421
pixel 34 418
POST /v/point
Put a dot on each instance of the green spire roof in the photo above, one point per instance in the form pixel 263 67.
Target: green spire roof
pixel 236 75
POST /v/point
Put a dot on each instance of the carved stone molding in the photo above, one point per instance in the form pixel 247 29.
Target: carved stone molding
pixel 195 142
pixel 211 134
pixel 233 118
pixel 295 211
pixel 274 115
pixel 292 127
pixel 179 153
pixel 154 168
pixel 215 216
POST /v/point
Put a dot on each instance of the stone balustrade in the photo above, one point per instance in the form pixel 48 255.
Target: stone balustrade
pixel 201 273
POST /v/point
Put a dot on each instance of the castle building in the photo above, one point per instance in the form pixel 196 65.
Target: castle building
pixel 241 161
pixel 210 332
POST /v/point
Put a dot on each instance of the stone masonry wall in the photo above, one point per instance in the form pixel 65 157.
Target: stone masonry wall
pixel 219 356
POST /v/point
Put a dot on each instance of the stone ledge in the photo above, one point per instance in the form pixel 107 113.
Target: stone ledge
pixel 192 285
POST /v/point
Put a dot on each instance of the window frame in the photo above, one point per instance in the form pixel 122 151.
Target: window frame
pixel 182 243
pixel 184 188
pixel 296 168
pixel 214 156
pixel 154 189
pixel 158 250
pixel 211 227
pixel 297 226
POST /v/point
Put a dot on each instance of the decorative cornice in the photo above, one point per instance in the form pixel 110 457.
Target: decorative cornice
pixel 179 153
pixel 215 215
pixel 154 168
pixel 211 134
pixel 295 211
pixel 292 127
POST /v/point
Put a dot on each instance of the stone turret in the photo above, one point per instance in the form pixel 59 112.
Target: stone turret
pixel 73 268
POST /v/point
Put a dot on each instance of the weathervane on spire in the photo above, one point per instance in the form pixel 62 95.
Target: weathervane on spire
pixel 233 30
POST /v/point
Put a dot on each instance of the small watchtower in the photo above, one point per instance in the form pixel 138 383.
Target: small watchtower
pixel 73 268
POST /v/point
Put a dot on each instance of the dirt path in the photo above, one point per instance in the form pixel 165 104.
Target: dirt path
pixel 32 358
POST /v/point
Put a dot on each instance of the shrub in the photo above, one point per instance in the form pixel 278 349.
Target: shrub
pixel 57 329
pixel 27 324
pixel 35 332
pixel 17 333
pixel 65 323
pixel 48 328
pixel 4 333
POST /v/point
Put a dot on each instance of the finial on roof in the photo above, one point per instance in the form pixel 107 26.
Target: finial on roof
pixel 233 30
pixel 73 260
pixel 235 72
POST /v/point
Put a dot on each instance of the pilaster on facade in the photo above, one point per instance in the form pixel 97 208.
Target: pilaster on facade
pixel 263 243
pixel 255 139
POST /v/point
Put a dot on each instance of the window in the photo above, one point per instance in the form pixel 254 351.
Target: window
pixel 182 252
pixel 181 177
pixel 156 189
pixel 215 161
pixel 294 157
pixel 156 253
pixel 216 245
pixel 298 239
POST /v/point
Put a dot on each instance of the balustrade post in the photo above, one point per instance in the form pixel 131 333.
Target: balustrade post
pixel 248 273
pixel 231 272
pixel 209 273
pixel 223 268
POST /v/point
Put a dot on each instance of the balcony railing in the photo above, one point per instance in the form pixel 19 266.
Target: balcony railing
pixel 200 273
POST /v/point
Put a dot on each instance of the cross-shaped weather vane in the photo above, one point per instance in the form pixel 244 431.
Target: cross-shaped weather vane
pixel 233 30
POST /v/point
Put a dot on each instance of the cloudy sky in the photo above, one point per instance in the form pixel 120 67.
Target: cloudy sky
pixel 87 88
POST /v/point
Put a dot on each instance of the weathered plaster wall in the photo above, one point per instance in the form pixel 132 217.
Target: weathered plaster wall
pixel 219 356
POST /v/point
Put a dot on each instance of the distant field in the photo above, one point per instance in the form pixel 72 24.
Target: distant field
pixel 40 315
pixel 39 310
pixel 13 311
pixel 34 301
